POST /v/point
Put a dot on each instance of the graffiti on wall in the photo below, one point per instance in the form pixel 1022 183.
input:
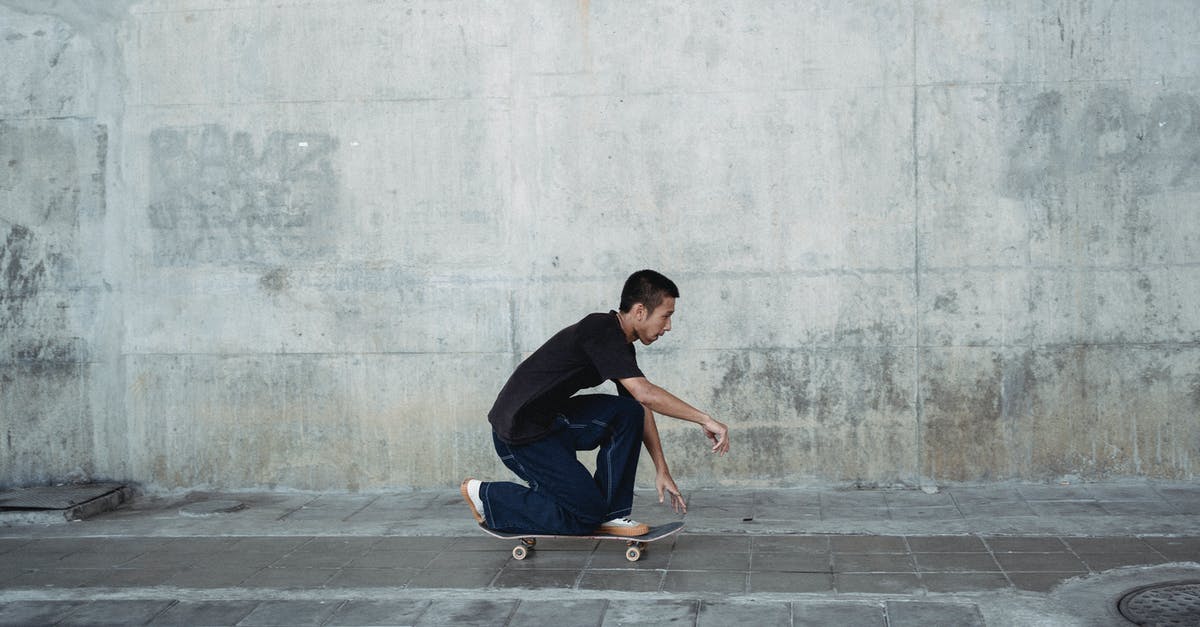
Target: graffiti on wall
pixel 21 276
pixel 217 197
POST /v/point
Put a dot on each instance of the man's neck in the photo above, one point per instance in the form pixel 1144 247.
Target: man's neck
pixel 626 328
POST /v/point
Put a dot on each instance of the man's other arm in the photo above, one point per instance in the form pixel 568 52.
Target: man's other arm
pixel 663 402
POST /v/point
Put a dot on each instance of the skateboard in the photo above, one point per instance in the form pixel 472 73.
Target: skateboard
pixel 635 546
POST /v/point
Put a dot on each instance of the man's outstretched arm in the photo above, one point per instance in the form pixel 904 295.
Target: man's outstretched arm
pixel 663 402
pixel 663 481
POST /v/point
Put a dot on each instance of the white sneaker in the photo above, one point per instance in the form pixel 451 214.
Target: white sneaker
pixel 470 494
pixel 623 527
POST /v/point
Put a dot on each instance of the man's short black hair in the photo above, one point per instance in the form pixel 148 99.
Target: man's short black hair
pixel 648 288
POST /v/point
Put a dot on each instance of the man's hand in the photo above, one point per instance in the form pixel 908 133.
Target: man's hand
pixel 666 487
pixel 719 434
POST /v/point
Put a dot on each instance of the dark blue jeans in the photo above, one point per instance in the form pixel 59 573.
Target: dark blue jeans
pixel 562 496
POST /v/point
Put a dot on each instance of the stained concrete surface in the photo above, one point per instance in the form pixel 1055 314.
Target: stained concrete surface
pixel 299 245
pixel 808 557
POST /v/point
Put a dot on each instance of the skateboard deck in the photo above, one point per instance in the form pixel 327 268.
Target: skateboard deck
pixel 635 546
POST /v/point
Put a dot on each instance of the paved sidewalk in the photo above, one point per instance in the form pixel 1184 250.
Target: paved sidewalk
pixel 996 555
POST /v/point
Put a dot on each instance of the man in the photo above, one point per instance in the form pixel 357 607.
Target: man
pixel 538 424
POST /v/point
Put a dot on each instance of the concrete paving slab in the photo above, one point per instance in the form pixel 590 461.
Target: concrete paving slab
pixel 930 512
pixel 458 578
pixel 877 583
pixel 622 580
pixel 921 614
pixel 394 559
pixel 964 582
pixel 614 557
pixel 872 563
pixel 9 572
pixel 365 578
pixel 114 613
pixel 790 582
pixel 1025 545
pixel 946 544
pixel 190 613
pixel 290 614
pixel 955 563
pixel 816 614
pixel 1139 508
pixel 289 578
pixel 212 577
pixel 25 613
pixel 537 579
pixel 1038 582
pixel 707 582
pixel 60 578
pixel 707 542
pixel 985 510
pixel 636 613
pixel 1066 508
pixel 1041 562
pixel 1107 561
pixel 1107 545
pixel 361 613
pixel 793 562
pixel 684 559
pixel 1177 549
pixel 467 613
pixel 561 613
pixel 865 544
pixel 136 577
pixel 725 613
pixel 790 544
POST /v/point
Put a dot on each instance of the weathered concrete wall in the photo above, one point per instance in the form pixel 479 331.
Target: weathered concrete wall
pixel 56 307
pixel 302 243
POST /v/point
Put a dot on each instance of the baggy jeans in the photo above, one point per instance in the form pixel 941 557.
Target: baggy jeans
pixel 562 496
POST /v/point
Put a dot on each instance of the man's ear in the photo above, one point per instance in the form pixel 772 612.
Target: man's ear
pixel 639 311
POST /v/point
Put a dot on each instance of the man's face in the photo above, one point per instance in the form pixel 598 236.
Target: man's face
pixel 651 325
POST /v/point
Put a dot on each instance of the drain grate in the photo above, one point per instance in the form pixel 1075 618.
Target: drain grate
pixel 1171 603
pixel 54 497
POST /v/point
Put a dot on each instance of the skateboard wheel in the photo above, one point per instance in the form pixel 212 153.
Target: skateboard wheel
pixel 519 552
pixel 633 554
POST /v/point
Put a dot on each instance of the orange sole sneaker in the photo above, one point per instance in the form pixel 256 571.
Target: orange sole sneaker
pixel 640 529
pixel 471 504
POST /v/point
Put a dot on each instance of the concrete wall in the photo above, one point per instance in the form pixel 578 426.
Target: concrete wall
pixel 302 243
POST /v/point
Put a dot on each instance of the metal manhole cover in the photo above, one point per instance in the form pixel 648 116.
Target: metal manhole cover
pixel 1171 603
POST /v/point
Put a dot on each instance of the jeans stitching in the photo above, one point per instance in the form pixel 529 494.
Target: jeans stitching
pixel 533 485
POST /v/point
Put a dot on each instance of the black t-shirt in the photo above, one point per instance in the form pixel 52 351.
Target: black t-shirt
pixel 580 356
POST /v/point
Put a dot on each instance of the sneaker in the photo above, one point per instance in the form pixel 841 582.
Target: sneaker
pixel 470 494
pixel 623 527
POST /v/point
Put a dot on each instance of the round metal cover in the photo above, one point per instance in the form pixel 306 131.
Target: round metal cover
pixel 1170 603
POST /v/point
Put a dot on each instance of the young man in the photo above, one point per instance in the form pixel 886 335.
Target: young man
pixel 538 424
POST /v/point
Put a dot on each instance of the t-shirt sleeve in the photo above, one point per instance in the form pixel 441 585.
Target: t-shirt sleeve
pixel 621 391
pixel 611 355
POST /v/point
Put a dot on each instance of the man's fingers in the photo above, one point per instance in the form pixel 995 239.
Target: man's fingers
pixel 677 502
